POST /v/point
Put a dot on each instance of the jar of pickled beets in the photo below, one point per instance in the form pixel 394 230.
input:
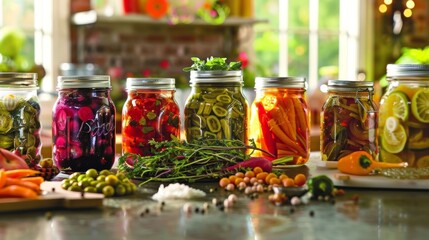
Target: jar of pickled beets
pixel 216 107
pixel 83 126
pixel 149 113
pixel 19 116
pixel 404 115
pixel 280 118
pixel 349 120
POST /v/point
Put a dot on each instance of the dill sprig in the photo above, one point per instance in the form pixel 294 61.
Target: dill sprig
pixel 181 161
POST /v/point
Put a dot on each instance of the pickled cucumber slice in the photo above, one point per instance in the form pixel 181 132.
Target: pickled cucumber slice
pixel 219 111
pixel 420 105
pixel 213 124
pixel 6 122
pixel 394 141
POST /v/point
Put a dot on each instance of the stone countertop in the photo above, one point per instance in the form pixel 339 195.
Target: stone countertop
pixel 359 214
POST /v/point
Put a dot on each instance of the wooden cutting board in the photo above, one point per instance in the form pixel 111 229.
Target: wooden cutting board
pixel 53 197
pixel 376 181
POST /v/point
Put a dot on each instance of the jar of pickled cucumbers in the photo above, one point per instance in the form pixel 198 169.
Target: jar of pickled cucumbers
pixel 149 113
pixel 280 118
pixel 216 107
pixel 404 115
pixel 19 116
pixel 83 124
pixel 349 120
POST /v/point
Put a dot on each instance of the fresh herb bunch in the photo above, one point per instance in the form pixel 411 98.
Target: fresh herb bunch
pixel 185 162
pixel 212 64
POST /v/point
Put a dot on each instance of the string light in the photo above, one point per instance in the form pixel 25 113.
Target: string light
pixel 408 13
pixel 410 4
pixel 387 2
pixel 382 8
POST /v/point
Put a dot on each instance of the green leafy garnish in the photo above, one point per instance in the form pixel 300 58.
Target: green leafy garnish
pixel 183 161
pixel 212 64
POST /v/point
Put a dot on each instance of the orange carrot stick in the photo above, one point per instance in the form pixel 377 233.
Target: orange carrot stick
pixel 36 180
pixel 16 191
pixel 282 120
pixel 2 178
pixel 19 182
pixel 19 173
pixel 301 116
pixel 282 136
pixel 290 115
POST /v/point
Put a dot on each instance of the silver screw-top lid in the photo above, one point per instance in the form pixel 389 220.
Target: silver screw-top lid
pixel 18 80
pixel 95 81
pixel 407 70
pixel 280 82
pixel 350 85
pixel 216 77
pixel 151 83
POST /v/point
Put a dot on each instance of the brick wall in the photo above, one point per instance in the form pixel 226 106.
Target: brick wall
pixel 158 49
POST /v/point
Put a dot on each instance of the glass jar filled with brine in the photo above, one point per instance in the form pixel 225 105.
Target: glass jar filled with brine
pixel 216 107
pixel 149 113
pixel 20 126
pixel 348 120
pixel 83 124
pixel 404 115
pixel 280 119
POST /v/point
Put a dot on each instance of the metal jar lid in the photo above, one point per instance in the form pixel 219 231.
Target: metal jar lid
pixel 407 70
pixel 280 82
pixel 150 83
pixel 18 80
pixel 95 81
pixel 216 77
pixel 350 85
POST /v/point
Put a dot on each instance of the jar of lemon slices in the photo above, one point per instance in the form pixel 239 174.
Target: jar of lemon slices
pixel 404 115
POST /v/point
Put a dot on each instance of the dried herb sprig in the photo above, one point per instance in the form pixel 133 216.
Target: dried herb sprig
pixel 181 161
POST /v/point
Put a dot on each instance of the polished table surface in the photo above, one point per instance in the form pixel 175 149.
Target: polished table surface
pixel 359 214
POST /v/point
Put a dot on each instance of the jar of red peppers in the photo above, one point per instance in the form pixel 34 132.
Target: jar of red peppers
pixel 280 119
pixel 348 120
pixel 19 116
pixel 83 126
pixel 216 107
pixel 404 115
pixel 149 113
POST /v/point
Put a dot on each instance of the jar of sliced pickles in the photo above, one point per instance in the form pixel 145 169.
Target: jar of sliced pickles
pixel 348 120
pixel 19 116
pixel 149 113
pixel 280 119
pixel 216 107
pixel 404 115
pixel 83 124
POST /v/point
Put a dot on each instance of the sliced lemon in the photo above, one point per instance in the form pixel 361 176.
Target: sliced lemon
pixel 422 144
pixel 386 156
pixel 420 105
pixel 423 162
pixel 395 104
pixel 394 141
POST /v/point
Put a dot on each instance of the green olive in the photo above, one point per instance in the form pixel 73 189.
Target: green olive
pixel 92 173
pixel 90 189
pixel 120 190
pixel 108 191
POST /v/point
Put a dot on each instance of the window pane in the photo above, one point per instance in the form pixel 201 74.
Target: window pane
pixel 298 55
pixel 266 41
pixel 298 14
pixel 328 56
pixel 329 14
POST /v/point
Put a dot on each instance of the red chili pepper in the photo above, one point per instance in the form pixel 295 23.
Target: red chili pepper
pixel 267 137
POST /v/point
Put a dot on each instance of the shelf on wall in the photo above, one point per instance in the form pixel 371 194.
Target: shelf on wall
pixel 91 17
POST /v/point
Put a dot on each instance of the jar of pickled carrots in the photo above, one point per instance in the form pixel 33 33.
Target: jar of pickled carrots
pixel 216 107
pixel 149 113
pixel 280 118
pixel 348 120
pixel 20 126
pixel 83 124
pixel 404 115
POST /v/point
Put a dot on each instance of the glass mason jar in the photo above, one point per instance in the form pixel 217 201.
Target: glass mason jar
pixel 404 115
pixel 216 107
pixel 348 120
pixel 149 113
pixel 280 118
pixel 83 124
pixel 19 116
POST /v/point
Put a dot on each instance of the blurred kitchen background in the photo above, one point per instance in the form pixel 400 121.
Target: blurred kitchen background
pixel 318 39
